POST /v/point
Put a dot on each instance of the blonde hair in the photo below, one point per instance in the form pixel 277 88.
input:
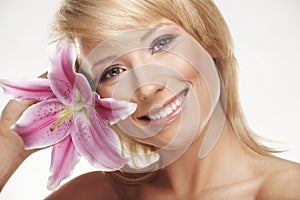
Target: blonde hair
pixel 96 20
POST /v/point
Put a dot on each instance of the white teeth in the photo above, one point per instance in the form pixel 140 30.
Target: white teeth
pixel 169 110
pixel 173 105
pixel 153 117
pixel 164 112
pixel 157 116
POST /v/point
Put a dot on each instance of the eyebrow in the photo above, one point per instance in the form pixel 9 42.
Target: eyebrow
pixel 144 37
pixel 105 60
pixel 155 28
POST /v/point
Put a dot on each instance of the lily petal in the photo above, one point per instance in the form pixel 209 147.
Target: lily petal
pixel 63 160
pixel 28 89
pixel 62 75
pixel 97 143
pixel 82 86
pixel 113 110
pixel 34 126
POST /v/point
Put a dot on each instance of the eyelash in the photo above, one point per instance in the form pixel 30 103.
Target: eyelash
pixel 109 70
pixel 156 46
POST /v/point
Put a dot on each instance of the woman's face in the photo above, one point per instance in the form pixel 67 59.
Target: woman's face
pixel 167 73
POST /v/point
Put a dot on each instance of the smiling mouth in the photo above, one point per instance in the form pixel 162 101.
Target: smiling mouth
pixel 170 109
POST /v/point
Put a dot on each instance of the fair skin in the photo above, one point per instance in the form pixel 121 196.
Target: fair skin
pixel 230 171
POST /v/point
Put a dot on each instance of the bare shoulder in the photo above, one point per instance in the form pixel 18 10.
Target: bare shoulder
pixel 93 185
pixel 282 183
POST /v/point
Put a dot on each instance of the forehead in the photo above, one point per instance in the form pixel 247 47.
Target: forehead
pixel 115 50
pixel 129 41
pixel 125 36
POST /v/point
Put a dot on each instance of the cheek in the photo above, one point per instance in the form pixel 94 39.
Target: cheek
pixel 204 99
pixel 105 91
pixel 182 67
pixel 204 94
pixel 118 91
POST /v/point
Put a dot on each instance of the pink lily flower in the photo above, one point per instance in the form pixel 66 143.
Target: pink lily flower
pixel 70 117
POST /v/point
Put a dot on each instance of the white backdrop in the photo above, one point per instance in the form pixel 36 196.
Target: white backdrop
pixel 266 36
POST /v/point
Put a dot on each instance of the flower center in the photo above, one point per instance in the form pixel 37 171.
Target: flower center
pixel 66 114
pixel 77 107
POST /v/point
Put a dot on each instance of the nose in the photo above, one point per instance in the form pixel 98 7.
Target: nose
pixel 149 91
pixel 145 78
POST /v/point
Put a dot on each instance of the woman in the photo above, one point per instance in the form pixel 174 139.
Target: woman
pixel 206 150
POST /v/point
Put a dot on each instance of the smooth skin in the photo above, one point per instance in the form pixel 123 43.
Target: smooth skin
pixel 230 171
pixel 236 173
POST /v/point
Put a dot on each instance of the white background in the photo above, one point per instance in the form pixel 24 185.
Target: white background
pixel 266 36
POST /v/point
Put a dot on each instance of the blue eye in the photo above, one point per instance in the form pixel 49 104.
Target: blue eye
pixel 161 43
pixel 111 72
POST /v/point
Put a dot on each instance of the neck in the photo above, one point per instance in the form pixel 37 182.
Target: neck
pixel 212 167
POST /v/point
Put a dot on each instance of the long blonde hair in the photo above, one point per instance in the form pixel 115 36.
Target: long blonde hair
pixel 96 20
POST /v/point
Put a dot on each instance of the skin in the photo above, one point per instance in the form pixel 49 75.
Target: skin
pixel 230 171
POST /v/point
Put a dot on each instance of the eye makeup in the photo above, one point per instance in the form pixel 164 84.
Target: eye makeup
pixel 154 41
pixel 111 72
pixel 161 43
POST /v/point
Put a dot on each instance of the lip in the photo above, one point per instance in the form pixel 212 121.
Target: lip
pixel 168 112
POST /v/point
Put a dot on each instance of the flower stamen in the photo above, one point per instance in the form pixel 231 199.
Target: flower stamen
pixel 66 114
